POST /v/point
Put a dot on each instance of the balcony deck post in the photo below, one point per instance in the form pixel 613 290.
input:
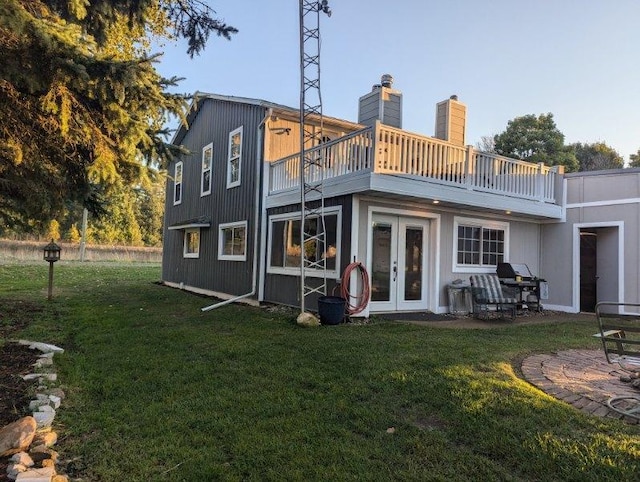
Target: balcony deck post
pixel 375 142
pixel 468 167
pixel 540 183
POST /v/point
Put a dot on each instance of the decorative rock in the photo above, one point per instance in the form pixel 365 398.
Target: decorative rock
pixel 43 347
pixel 22 458
pixel 58 392
pixel 307 320
pixel 37 475
pixel 44 419
pixel 54 401
pixel 47 439
pixel 41 362
pixel 14 469
pixel 52 377
pixel 35 404
pixel 40 453
pixel 46 408
pixel 17 436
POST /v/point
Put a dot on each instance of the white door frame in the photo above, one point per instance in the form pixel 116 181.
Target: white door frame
pixel 431 250
pixel 576 258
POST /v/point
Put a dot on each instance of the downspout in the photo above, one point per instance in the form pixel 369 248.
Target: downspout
pixel 256 220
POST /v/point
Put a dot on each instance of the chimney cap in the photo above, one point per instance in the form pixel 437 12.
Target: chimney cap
pixel 386 80
pixel 454 97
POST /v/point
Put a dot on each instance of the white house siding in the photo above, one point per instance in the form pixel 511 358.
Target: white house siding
pixel 524 241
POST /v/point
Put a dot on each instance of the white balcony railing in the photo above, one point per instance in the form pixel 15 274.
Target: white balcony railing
pixel 386 150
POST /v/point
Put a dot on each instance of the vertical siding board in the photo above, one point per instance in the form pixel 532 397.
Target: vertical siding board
pixel 215 120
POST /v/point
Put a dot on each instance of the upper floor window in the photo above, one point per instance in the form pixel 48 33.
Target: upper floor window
pixel 207 159
pixel 232 241
pixel 479 244
pixel 177 183
pixel 235 158
pixel 191 247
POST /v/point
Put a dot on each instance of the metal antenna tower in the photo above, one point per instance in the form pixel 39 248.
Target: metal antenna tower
pixel 312 235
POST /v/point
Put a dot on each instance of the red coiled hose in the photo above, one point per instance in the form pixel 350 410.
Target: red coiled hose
pixel 361 301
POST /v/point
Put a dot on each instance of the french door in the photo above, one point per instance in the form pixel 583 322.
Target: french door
pixel 398 263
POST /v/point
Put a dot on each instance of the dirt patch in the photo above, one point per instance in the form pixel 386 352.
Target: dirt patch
pixel 15 393
pixel 15 360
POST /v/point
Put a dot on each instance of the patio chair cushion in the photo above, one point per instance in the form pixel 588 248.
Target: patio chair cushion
pixel 492 289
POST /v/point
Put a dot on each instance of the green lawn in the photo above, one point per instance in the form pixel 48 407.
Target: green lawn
pixel 158 390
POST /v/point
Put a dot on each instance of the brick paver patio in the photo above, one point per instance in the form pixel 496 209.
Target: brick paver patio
pixel 582 378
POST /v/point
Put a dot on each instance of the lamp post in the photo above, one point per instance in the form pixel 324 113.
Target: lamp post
pixel 51 254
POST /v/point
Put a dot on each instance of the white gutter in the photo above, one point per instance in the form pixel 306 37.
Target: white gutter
pixel 256 221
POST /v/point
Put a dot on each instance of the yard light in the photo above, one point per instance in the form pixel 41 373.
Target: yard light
pixel 51 254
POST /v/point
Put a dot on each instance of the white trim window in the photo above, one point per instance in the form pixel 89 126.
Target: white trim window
pixel 232 241
pixel 177 183
pixel 234 163
pixel 479 244
pixel 284 243
pixel 205 178
pixel 191 248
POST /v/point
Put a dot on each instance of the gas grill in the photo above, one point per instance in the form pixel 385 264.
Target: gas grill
pixel 531 289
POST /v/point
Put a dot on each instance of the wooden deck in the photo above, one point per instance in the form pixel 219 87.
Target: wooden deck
pixel 381 149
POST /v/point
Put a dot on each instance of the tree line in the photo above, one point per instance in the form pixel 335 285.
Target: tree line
pixel 537 139
pixel 84 110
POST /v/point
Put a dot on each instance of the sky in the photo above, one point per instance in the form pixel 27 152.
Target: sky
pixel 578 59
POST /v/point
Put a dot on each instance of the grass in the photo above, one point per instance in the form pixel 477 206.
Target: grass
pixel 157 390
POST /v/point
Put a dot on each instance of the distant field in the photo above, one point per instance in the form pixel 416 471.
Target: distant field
pixel 23 251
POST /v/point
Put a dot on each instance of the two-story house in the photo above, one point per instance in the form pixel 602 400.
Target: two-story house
pixel 417 211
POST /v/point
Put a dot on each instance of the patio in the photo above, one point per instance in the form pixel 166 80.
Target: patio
pixel 582 378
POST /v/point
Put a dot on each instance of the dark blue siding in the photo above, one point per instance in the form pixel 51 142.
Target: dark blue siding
pixel 214 121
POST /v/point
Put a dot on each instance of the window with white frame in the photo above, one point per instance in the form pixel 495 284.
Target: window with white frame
pixel 177 183
pixel 191 243
pixel 232 241
pixel 207 160
pixel 285 246
pixel 479 244
pixel 235 158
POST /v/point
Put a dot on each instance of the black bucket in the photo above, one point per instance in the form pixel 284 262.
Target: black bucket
pixel 331 309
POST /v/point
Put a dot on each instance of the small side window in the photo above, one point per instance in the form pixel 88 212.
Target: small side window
pixel 192 243
pixel 177 183
pixel 207 160
pixel 232 241
pixel 234 163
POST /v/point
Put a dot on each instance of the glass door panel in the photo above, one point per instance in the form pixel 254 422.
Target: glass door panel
pixel 413 256
pixel 381 256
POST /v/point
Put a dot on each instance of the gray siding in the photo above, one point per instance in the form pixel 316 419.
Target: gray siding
pixel 382 104
pixel 606 202
pixel 285 289
pixel 213 123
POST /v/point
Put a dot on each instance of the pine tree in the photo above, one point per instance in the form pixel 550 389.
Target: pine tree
pixel 81 103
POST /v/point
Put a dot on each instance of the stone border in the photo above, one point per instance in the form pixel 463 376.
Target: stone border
pixel 32 458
